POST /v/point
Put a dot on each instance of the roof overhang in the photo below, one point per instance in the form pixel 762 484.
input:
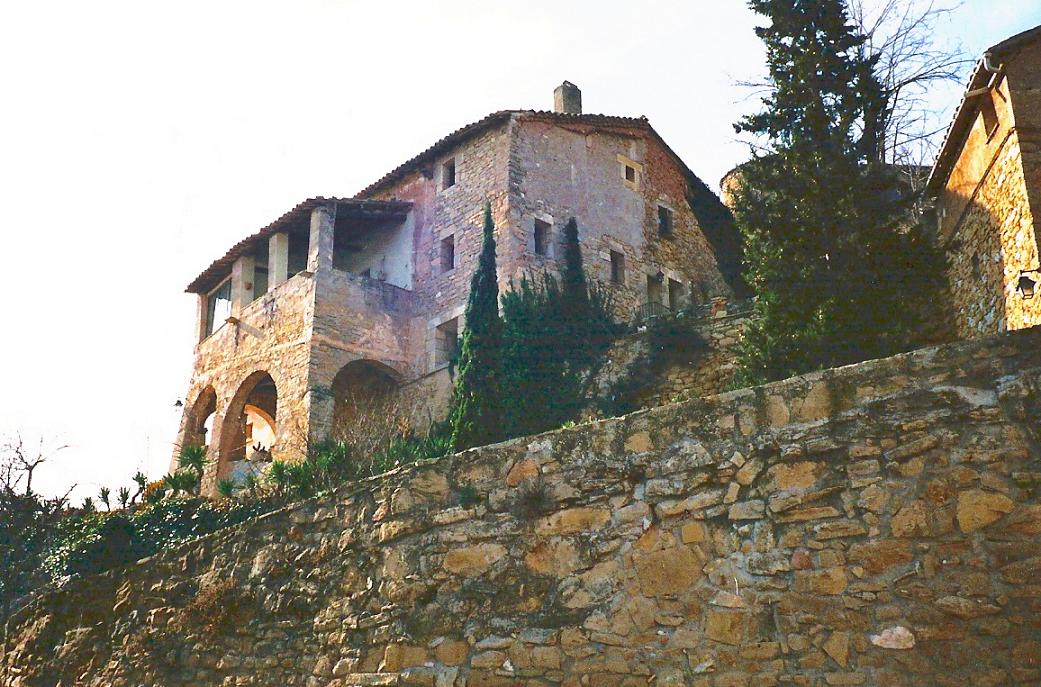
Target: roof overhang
pixel 297 218
pixel 958 131
pixel 595 121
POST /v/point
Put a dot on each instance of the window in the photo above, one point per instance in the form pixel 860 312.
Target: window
pixel 446 342
pixel 664 221
pixel 448 174
pixel 676 300
pixel 541 237
pixel 654 290
pixel 617 267
pixel 260 281
pixel 990 114
pixel 448 253
pixel 218 307
pixel 631 171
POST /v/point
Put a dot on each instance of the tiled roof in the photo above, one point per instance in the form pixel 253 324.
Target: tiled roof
pixel 501 117
pixel 300 214
pixel 966 114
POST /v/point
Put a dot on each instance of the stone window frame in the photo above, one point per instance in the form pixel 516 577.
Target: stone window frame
pixel 671 230
pixel 454 161
pixel 435 326
pixel 441 253
pixel 616 273
pixel 625 164
pixel 548 244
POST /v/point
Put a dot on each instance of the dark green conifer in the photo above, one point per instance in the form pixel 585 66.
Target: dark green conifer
pixel 477 416
pixel 838 273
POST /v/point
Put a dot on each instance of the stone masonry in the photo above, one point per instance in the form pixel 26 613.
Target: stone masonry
pixel 377 284
pixel 871 525
pixel 986 183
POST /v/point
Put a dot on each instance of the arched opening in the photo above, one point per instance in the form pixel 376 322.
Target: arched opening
pixel 250 428
pixel 361 388
pixel 198 422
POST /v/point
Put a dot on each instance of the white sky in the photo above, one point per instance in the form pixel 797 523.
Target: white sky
pixel 140 140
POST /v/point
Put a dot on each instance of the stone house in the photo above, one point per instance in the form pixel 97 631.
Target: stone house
pixel 345 299
pixel 986 184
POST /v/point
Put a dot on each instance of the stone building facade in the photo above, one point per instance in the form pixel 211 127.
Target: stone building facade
pixel 987 186
pixel 345 297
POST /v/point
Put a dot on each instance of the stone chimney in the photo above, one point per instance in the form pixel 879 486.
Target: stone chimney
pixel 567 99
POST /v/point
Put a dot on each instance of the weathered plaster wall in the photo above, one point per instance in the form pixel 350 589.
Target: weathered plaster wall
pixel 987 224
pixel 872 525
pixel 559 171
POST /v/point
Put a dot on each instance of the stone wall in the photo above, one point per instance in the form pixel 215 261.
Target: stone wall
pixel 987 223
pixel 271 335
pixel 870 525
pixel 649 379
pixel 560 170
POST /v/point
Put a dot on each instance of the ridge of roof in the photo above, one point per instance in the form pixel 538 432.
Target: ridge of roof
pixel 300 211
pixel 961 123
pixel 465 132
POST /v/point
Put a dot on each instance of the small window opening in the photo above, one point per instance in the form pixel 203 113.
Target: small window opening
pixel 630 173
pixel 654 290
pixel 676 295
pixel 448 253
pixel 218 307
pixel 541 237
pixel 664 221
pixel 448 174
pixel 990 114
pixel 617 267
pixel 446 343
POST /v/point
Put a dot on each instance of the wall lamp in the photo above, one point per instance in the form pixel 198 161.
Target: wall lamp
pixel 1026 285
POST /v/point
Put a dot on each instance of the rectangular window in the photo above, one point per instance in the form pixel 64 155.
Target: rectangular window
pixel 664 221
pixel 541 237
pixel 448 174
pixel 990 114
pixel 617 268
pixel 446 342
pixel 654 290
pixel 630 174
pixel 448 253
pixel 676 299
pixel 218 307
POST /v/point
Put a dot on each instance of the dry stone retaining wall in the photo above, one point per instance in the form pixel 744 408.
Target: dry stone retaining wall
pixel 872 525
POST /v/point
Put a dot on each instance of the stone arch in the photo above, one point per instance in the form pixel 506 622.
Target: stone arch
pixel 198 418
pixel 255 399
pixel 359 384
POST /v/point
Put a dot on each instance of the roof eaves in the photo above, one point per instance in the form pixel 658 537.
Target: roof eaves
pixel 207 277
pixel 960 125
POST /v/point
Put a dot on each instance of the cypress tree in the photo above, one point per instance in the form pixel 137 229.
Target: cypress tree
pixel 477 416
pixel 837 273
pixel 575 294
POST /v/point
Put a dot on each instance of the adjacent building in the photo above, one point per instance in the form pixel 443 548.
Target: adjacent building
pixel 344 299
pixel 987 187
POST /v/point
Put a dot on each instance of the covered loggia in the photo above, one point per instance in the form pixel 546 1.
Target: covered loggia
pixel 250 427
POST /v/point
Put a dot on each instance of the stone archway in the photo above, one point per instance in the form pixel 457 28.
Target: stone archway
pixel 359 387
pixel 252 410
pixel 198 419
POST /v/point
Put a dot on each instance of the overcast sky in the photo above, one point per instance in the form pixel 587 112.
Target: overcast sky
pixel 140 140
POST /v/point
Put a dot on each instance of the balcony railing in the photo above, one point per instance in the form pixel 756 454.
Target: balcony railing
pixel 651 310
